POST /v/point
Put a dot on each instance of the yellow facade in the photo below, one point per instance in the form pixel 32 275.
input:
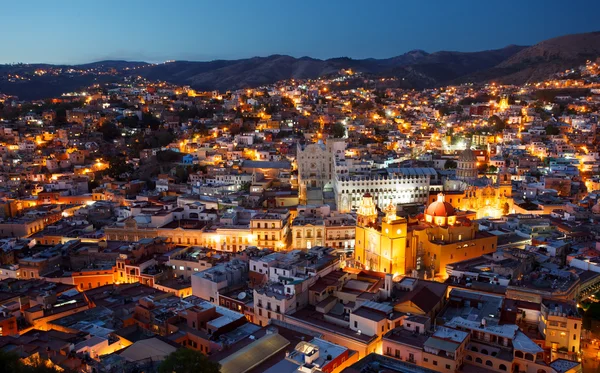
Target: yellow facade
pixel 395 245
pixel 439 246
pixel 384 250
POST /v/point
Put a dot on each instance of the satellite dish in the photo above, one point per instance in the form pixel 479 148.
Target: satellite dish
pixel 241 295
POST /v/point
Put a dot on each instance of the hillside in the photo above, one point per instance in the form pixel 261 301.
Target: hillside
pixel 417 68
pixel 543 59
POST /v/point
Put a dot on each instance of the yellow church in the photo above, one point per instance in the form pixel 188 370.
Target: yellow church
pixel 421 246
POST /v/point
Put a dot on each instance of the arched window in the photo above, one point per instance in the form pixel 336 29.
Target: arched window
pixel 478 360
pixel 473 348
pixel 484 351
pixel 519 354
pixel 502 367
pixel 529 356
pixel 541 371
pixel 489 363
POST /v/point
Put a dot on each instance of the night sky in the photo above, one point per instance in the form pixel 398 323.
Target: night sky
pixel 79 31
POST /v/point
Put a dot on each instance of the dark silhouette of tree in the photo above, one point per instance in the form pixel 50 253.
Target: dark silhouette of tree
pixel 450 164
pixel 497 123
pixel 117 167
pixel 552 130
pixel 11 362
pixel 338 130
pixel 130 121
pixel 109 131
pixel 185 360
pixel 245 187
pixel 151 121
pixel 287 102
pixel 168 156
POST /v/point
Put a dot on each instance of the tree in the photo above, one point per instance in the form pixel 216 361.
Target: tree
pixel 339 130
pixel 185 360
pixel 11 362
pixel 181 174
pixel 497 123
pixel 551 130
pixel 450 164
pixel 151 121
pixel 245 187
pixel 492 169
pixel 118 166
pixel 109 131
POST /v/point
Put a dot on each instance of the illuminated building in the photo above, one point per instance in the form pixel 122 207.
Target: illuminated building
pixel 316 165
pixel 423 246
pixel 270 230
pixel 445 236
pixel 560 324
pixel 381 245
pixel 397 186
pixel 484 196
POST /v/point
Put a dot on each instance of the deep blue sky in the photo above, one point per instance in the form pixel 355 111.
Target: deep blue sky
pixel 77 31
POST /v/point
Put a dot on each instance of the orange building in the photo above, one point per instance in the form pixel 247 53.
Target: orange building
pixel 8 325
pixel 93 278
pixel 445 235
pixel 420 247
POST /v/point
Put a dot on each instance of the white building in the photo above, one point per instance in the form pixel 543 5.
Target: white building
pixel 207 284
pixel 398 186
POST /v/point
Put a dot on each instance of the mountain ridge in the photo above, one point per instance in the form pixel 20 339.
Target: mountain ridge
pixel 416 68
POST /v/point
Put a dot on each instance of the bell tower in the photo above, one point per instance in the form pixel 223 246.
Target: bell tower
pixel 390 213
pixel 367 212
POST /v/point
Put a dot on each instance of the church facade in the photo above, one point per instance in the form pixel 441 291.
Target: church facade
pixel 487 197
pixel 421 246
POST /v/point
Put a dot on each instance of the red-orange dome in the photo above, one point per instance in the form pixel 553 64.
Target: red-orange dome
pixel 440 208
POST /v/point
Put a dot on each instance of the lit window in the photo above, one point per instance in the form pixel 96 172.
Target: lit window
pixel 181 268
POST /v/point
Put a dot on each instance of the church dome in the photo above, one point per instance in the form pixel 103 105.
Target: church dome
pixel 440 208
pixel 467 156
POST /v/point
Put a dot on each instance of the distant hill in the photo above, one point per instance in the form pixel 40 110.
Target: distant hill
pixel 423 68
pixel 416 69
pixel 543 59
